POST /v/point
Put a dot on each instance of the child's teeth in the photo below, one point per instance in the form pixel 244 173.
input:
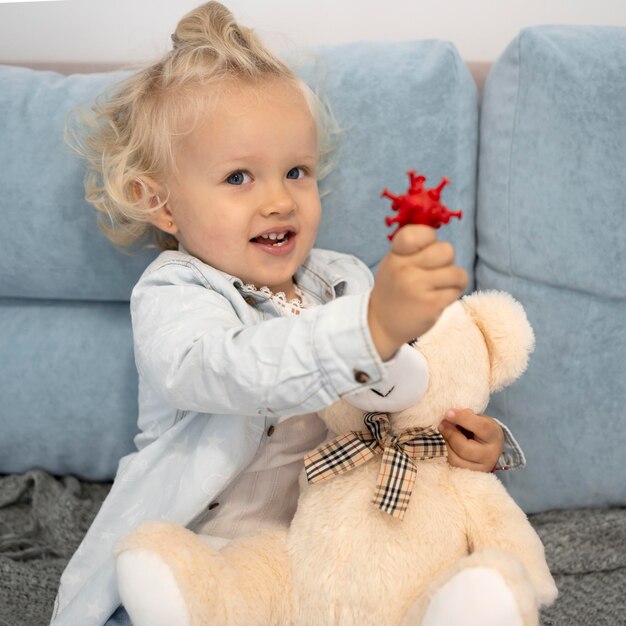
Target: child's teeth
pixel 274 236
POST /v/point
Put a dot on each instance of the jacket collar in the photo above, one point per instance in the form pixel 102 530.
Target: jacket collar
pixel 314 276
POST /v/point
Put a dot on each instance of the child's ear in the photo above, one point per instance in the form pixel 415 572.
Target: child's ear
pixel 153 196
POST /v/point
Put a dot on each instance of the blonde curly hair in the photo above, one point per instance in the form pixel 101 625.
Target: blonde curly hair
pixel 117 136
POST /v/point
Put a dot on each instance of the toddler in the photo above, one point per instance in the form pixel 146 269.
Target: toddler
pixel 242 329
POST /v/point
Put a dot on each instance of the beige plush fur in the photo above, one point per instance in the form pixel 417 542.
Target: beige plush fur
pixel 344 561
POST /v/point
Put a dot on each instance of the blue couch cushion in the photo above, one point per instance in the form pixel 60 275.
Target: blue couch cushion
pixel 68 386
pixel 401 106
pixel 67 379
pixel 552 231
pixel 51 245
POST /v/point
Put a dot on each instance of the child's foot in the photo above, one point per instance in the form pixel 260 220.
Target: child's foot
pixel 149 591
pixel 477 596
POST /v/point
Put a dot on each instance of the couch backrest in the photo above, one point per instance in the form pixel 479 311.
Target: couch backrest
pixel 67 378
pixel 551 229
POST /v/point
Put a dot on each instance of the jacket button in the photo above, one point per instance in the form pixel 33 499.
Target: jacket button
pixel 250 300
pixel 213 505
pixel 361 377
pixel 270 430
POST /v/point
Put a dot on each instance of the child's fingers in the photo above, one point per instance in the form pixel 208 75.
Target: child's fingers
pixel 444 278
pixel 466 449
pixel 484 428
pixel 435 282
pixel 457 461
pixel 449 278
pixel 474 441
pixel 412 238
pixel 437 254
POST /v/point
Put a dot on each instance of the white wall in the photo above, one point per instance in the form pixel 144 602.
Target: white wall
pixel 137 30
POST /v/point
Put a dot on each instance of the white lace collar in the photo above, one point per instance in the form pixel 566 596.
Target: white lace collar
pixel 284 306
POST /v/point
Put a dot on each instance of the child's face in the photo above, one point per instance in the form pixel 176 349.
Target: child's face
pixel 248 171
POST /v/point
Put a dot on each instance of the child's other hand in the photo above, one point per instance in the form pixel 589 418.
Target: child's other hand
pixel 416 281
pixel 474 441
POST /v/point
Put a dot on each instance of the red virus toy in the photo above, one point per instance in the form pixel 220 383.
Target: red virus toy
pixel 419 205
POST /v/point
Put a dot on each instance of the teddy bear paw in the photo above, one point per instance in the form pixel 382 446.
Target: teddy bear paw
pixel 477 596
pixel 149 590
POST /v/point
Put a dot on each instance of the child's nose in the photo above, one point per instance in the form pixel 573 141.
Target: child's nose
pixel 277 200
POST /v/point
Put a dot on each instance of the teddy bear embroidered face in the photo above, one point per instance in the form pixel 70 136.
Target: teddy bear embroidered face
pixel 479 345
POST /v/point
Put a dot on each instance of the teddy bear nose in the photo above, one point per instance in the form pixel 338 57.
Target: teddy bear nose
pixel 383 392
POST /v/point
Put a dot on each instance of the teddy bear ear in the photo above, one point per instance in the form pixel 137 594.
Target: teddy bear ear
pixel 507 332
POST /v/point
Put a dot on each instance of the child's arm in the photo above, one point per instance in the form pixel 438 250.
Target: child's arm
pixel 416 281
pixel 201 347
pixel 193 348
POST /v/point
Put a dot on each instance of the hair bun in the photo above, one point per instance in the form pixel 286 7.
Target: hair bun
pixel 210 25
pixel 211 31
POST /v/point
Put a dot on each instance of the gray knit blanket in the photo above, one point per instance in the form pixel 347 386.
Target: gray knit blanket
pixel 43 519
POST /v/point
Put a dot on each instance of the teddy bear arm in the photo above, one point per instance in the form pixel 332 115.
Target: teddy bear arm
pixel 495 521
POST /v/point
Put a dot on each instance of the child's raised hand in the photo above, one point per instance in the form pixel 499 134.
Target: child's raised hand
pixel 474 441
pixel 416 281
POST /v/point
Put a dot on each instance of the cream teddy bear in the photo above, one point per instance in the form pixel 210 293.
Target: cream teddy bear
pixel 386 531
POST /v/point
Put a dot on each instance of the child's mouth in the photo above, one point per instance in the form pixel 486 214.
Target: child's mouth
pixel 276 240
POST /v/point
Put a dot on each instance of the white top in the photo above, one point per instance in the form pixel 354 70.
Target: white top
pixel 265 494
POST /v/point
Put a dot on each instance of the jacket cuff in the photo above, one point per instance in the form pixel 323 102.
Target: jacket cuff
pixel 512 456
pixel 343 349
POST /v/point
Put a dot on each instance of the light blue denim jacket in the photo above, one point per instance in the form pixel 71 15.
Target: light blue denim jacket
pixel 211 380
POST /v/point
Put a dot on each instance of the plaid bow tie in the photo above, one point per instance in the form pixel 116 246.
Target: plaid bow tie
pixel 397 470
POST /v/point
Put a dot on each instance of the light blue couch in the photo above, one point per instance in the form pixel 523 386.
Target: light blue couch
pixel 539 170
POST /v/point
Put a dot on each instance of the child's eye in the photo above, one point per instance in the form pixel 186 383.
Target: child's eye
pixel 238 178
pixel 295 173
